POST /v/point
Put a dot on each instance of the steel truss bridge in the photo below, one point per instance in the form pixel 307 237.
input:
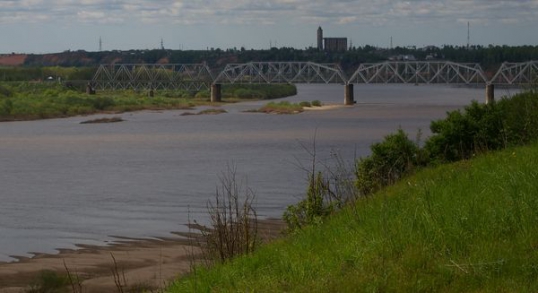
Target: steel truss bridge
pixel 152 76
pixel 281 72
pixel 200 76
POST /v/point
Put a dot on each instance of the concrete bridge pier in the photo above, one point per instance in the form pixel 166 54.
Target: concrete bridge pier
pixel 490 93
pixel 89 89
pixel 349 98
pixel 216 93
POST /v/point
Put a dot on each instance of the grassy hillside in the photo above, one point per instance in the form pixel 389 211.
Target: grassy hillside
pixel 469 226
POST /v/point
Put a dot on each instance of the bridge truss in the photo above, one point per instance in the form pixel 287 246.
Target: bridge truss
pixel 418 72
pixel 517 73
pixel 198 76
pixel 281 72
pixel 152 76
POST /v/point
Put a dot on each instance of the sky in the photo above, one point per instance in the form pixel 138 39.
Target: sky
pixel 48 26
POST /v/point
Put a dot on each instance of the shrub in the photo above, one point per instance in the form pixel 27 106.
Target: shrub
pixel 391 159
pixel 461 135
pixel 521 118
pixel 316 103
pixel 252 92
pixel 283 107
pixel 6 106
pixel 327 192
pixel 314 208
pixel 49 281
pixel 5 92
pixel 202 94
pixel 480 128
pixel 305 104
pixel 233 230
pixel 102 103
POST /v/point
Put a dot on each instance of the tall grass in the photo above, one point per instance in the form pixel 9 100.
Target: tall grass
pixel 465 227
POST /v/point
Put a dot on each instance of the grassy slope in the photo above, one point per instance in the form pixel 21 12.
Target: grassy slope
pixel 466 227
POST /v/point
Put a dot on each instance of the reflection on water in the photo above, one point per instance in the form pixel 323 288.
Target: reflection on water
pixel 64 183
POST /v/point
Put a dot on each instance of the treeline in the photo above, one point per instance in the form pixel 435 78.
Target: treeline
pixel 488 56
pixel 34 73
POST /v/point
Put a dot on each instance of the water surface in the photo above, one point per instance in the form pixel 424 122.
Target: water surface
pixel 65 183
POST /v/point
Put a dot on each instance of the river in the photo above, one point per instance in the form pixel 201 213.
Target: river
pixel 64 183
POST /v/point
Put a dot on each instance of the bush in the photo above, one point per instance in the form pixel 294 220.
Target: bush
pixel 521 118
pixel 48 282
pixel 462 135
pixel 327 192
pixel 391 159
pixel 243 93
pixel 6 106
pixel 316 103
pixel 202 94
pixel 305 104
pixel 102 103
pixel 4 92
pixel 313 209
pixel 233 230
pixel 481 128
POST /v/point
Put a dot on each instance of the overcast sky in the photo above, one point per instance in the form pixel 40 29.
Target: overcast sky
pixel 43 26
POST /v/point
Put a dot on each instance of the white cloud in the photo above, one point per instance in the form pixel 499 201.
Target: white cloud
pixel 253 23
pixel 293 11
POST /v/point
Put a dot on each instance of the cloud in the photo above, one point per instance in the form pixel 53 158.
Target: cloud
pixel 248 12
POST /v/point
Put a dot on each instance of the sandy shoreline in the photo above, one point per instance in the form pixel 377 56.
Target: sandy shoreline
pixel 325 107
pixel 147 263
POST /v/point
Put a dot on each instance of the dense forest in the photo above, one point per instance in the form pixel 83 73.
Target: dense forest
pixel 489 57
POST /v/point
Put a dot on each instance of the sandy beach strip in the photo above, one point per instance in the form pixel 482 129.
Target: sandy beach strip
pixel 145 263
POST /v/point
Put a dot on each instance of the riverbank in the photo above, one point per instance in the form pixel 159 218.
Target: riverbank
pixel 469 226
pixel 142 177
pixel 144 263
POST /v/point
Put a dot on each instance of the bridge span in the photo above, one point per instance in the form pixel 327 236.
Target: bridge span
pixel 200 76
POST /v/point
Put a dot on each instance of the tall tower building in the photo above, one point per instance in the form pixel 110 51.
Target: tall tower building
pixel 320 39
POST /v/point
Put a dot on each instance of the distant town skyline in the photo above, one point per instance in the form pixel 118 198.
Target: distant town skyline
pixel 39 26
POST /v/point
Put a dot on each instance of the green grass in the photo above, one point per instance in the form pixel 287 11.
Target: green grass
pixel 283 107
pixel 465 227
pixel 31 101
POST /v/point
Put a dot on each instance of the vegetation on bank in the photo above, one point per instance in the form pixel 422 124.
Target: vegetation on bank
pixel 468 226
pixel 46 73
pixel 42 100
pixel 417 217
pixel 285 107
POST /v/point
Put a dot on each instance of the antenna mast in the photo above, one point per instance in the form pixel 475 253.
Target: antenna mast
pixel 468 35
